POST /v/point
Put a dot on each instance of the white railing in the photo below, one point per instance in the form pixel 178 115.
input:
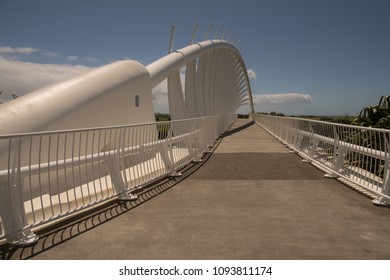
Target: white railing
pixel 358 154
pixel 50 175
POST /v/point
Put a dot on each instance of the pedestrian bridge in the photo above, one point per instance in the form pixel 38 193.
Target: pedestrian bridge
pixel 250 198
pixel 80 156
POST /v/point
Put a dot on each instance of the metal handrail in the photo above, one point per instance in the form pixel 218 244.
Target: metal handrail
pixel 360 155
pixel 51 175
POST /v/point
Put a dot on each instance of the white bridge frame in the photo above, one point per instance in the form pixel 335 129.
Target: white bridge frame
pixel 52 167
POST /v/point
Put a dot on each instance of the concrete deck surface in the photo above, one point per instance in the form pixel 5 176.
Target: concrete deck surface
pixel 250 199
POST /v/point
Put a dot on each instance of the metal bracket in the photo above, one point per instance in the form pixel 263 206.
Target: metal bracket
pixel 126 196
pixel 331 175
pixel 174 174
pixel 381 201
pixel 25 238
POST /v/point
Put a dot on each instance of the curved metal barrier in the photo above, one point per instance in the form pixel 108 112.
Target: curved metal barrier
pixel 360 155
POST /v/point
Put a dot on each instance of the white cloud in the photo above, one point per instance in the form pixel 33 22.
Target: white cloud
pixel 77 58
pixel 92 59
pixel 21 50
pixel 160 97
pixel 282 98
pixel 72 58
pixel 26 51
pixel 49 53
pixel 19 77
pixel 252 74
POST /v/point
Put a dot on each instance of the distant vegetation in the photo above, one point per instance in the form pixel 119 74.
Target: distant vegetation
pixel 272 114
pixel 335 119
pixel 166 117
pixel 162 117
pixel 377 116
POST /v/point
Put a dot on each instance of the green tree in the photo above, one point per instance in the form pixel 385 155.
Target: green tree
pixel 375 116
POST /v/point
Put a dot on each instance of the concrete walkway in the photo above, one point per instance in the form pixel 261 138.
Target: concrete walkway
pixel 250 199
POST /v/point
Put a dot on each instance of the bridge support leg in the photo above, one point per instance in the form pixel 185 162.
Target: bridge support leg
pixel 114 169
pixel 166 155
pixel 339 153
pixel 13 217
pixel 12 210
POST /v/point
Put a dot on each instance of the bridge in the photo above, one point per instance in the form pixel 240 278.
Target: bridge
pixel 94 177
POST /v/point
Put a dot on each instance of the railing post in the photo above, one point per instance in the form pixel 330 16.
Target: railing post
pixel 114 168
pixel 11 202
pixel 382 201
pixel 192 143
pixel 298 137
pixel 168 154
pixel 313 144
pixel 338 155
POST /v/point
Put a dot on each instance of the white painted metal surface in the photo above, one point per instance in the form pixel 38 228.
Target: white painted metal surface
pixel 101 97
pixel 360 155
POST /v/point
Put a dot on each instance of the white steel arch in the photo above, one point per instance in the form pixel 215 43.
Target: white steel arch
pixel 216 80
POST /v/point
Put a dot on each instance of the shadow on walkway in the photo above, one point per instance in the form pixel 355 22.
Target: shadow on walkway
pixel 237 129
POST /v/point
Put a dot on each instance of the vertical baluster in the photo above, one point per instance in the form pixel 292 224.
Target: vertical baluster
pixel 57 172
pixel 66 171
pixel 94 165
pixel 30 163
pixel 73 155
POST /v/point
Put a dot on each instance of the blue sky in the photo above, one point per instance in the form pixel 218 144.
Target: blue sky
pixel 309 56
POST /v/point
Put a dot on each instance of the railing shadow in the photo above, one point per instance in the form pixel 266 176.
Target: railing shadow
pixel 237 129
pixel 63 231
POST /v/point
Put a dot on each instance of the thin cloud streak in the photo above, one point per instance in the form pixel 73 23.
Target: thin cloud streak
pixel 282 99
pixel 26 51
pixel 20 50
pixel 72 58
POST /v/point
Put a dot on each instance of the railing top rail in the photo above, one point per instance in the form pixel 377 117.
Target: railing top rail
pixel 331 123
pixel 52 132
